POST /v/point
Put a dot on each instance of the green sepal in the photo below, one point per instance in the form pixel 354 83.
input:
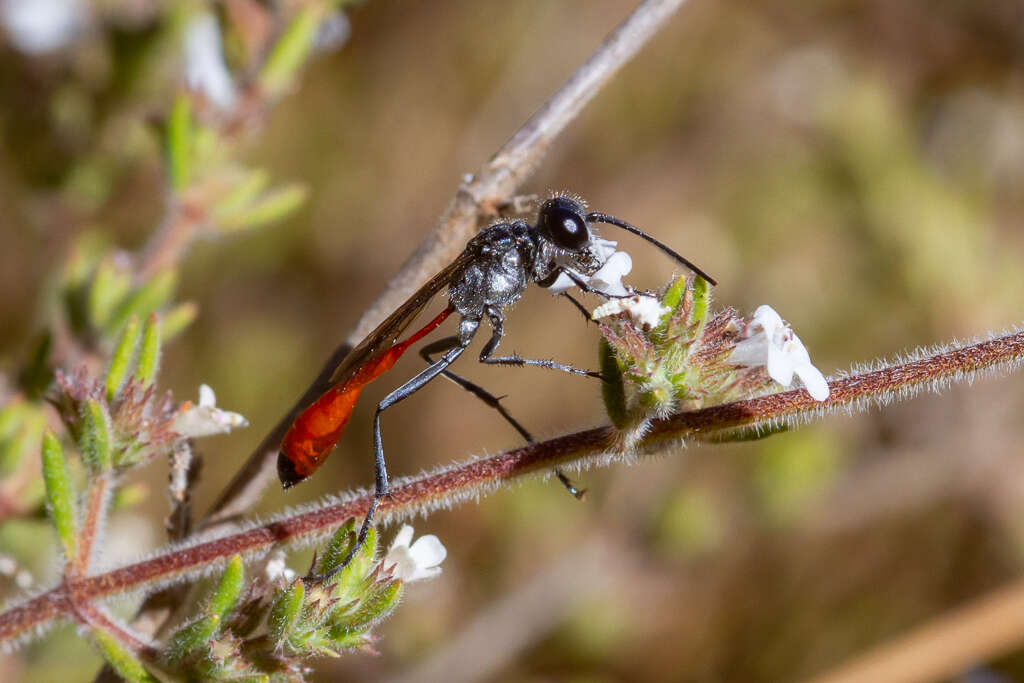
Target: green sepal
pixel 272 206
pixel 149 351
pixel 148 297
pixel 613 391
pixel 60 496
pixel 228 588
pixel 121 361
pixel 337 548
pixel 285 612
pixel 672 298
pixel 701 305
pixel 178 318
pixel 95 438
pixel 350 578
pixel 179 143
pixel 382 599
pixel 193 636
pixel 127 666
pixel 110 285
pixel 290 52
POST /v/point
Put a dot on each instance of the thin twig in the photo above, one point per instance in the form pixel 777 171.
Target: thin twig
pixel 945 647
pixel 493 184
pixel 96 501
pixel 470 480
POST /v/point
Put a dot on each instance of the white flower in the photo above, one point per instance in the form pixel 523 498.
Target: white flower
pixel 645 311
pixel 276 568
pixel 205 71
pixel 206 418
pixel 39 26
pixel 608 278
pixel 421 560
pixel 772 343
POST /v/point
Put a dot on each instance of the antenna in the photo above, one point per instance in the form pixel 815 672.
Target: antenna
pixel 598 217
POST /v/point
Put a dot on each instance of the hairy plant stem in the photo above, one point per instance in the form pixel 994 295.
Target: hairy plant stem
pixel 492 184
pixel 471 479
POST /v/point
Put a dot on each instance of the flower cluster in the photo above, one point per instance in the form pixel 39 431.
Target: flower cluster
pixel 267 630
pixel 665 353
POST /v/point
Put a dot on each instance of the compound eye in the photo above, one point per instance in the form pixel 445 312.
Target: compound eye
pixel 562 221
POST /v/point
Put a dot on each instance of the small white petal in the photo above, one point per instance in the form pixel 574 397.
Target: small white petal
pixel 603 248
pixel 608 278
pixel 419 561
pixel 751 352
pixel 206 418
pixel 403 537
pixel 645 311
pixel 563 283
pixel 773 344
pixel 813 381
pixel 779 365
pixel 207 399
pixel 768 319
pixel 39 26
pixel 205 70
pixel 428 551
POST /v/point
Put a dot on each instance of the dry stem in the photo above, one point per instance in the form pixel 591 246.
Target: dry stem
pixel 494 183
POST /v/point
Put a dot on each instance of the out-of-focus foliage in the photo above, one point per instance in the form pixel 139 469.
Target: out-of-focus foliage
pixel 856 164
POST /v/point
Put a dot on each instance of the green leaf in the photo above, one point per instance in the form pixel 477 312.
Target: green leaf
pixel 285 611
pixel 127 497
pixel 179 143
pixel 20 435
pixel 290 52
pixel 121 660
pixel 149 297
pixel 121 361
pixel 272 206
pixel 60 496
pixel 613 391
pixel 228 589
pixel 178 318
pixel 241 194
pixel 109 287
pixel 149 351
pixel 95 439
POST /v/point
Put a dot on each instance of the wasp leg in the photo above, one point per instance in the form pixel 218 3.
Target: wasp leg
pixel 380 467
pixel 584 287
pixel 491 400
pixel 487 397
pixel 579 307
pixel 497 320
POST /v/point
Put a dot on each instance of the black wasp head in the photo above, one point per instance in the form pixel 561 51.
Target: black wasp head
pixel 563 221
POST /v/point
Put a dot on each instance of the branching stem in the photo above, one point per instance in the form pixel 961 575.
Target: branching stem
pixel 471 479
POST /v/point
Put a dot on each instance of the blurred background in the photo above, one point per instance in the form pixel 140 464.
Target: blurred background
pixel 856 164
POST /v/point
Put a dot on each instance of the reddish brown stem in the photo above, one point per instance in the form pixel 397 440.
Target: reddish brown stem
pixel 469 480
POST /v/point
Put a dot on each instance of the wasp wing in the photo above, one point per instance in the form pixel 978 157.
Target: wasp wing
pixel 388 332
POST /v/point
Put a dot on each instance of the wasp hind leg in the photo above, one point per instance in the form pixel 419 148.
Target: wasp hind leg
pixel 381 488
